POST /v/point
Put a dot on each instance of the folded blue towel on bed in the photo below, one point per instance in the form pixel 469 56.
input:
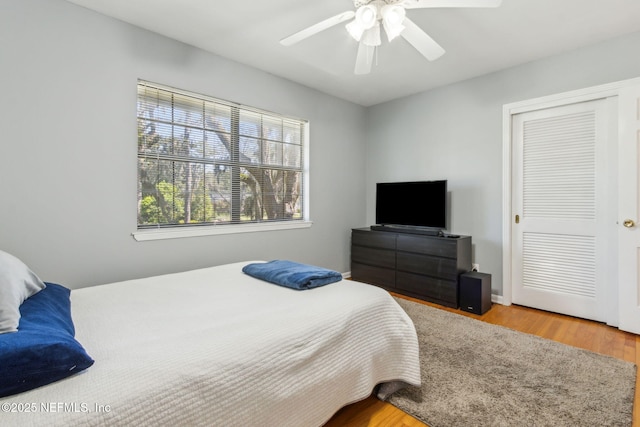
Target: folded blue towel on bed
pixel 292 274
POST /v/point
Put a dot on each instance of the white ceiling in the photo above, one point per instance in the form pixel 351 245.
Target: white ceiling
pixel 477 41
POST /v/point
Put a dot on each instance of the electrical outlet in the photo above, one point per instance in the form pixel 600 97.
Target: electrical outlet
pixel 475 267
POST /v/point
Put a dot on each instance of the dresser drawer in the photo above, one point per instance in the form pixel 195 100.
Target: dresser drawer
pixel 442 291
pixel 373 256
pixel 437 246
pixel 443 268
pixel 384 240
pixel 373 275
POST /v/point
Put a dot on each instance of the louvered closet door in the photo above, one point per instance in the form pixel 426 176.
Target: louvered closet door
pixel 558 184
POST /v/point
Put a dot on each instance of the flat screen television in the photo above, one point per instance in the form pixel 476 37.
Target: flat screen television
pixel 417 203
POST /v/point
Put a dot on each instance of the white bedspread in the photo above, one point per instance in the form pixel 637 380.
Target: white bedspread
pixel 215 347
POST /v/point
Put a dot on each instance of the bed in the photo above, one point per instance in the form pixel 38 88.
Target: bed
pixel 215 346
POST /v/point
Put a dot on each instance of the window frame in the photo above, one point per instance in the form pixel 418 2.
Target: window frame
pixel 168 231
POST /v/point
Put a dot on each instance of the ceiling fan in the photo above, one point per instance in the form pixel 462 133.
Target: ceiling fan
pixel 370 14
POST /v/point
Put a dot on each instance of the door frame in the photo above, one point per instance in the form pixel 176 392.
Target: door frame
pixel 509 110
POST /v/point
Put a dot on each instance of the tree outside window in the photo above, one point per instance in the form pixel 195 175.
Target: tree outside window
pixel 203 161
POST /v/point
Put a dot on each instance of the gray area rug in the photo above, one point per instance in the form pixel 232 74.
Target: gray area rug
pixel 478 374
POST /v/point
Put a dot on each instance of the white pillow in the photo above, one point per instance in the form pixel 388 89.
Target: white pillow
pixel 17 283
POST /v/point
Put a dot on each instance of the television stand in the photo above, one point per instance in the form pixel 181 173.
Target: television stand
pixel 425 231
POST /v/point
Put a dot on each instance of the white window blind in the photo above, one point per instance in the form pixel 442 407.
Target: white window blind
pixel 204 161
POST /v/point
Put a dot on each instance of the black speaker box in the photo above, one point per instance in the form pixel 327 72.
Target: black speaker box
pixel 475 292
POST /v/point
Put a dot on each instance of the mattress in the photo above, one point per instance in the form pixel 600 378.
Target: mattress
pixel 217 347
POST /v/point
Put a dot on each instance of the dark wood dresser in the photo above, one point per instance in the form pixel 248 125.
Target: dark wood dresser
pixel 420 266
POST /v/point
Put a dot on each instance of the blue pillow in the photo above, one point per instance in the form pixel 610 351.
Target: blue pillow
pixel 44 349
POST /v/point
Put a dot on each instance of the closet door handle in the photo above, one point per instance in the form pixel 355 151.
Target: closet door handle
pixel 629 223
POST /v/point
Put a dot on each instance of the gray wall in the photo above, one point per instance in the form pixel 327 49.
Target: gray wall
pixel 455 133
pixel 68 149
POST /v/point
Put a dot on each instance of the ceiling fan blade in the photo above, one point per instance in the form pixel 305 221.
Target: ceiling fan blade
pixel 422 4
pixel 314 29
pixel 364 60
pixel 421 41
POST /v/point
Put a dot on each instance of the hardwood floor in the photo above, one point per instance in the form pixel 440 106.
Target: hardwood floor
pixel 586 334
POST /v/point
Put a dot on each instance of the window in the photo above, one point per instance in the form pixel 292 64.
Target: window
pixel 203 161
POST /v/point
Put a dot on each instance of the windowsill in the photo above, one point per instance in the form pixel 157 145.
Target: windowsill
pixel 179 232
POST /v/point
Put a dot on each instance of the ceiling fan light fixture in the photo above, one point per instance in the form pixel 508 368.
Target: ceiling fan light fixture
pixel 366 18
pixel 367 15
pixel 392 19
pixel 355 30
pixel 371 37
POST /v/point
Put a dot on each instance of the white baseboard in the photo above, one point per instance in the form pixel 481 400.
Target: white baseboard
pixel 498 299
